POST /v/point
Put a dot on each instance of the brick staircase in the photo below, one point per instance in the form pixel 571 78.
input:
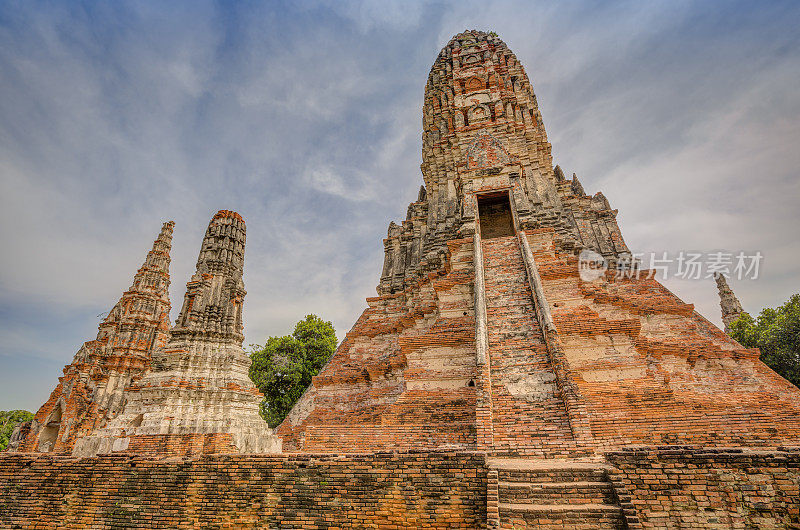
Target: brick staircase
pixel 529 416
pixel 575 494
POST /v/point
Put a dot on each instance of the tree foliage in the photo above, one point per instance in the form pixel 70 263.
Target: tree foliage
pixel 283 367
pixel 776 332
pixel 8 420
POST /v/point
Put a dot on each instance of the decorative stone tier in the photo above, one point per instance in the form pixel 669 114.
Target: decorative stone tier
pixel 199 389
pixel 651 371
pixel 91 391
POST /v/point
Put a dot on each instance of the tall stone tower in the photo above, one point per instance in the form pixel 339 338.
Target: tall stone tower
pixel 482 131
pixel 198 398
pixel 91 391
pixel 484 334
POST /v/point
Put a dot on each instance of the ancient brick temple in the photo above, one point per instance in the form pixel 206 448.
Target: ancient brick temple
pixel 91 391
pixel 198 397
pixel 489 384
pixel 484 336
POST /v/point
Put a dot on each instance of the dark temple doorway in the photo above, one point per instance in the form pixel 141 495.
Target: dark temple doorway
pixel 494 212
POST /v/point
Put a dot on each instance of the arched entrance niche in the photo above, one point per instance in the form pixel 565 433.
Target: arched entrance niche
pixel 47 440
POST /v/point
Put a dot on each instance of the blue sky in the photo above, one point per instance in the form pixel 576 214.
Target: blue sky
pixel 305 117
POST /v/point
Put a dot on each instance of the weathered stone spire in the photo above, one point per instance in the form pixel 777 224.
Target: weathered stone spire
pixel 198 398
pixel 90 393
pixel 212 305
pixel 728 303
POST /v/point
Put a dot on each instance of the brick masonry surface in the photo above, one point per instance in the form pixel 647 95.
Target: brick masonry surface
pixel 652 371
pixel 381 490
pixel 667 487
pixel 682 487
pixel 91 391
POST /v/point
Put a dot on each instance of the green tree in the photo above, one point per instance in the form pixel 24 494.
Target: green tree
pixel 776 332
pixel 8 420
pixel 283 367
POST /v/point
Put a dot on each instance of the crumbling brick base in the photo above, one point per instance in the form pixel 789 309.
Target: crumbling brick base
pixel 684 487
pixel 664 487
pixel 383 490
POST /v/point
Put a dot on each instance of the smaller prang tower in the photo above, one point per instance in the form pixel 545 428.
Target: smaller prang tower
pixel 728 303
pixel 90 393
pixel 198 397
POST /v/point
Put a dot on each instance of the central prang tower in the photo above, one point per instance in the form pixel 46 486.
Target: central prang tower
pixel 482 131
pixel 485 336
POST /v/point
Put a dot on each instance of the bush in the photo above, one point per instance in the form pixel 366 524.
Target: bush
pixel 776 332
pixel 283 367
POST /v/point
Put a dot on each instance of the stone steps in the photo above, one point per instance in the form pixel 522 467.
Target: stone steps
pixel 580 492
pixel 555 493
pixel 558 475
pixel 583 517
pixel 528 413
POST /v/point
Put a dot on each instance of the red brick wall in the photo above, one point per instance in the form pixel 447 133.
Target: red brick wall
pixel 401 378
pixel 182 444
pixel 432 490
pixel 652 371
pixel 711 488
pixel 668 487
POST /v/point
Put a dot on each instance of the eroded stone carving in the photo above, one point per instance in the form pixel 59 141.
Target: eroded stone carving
pixel 482 129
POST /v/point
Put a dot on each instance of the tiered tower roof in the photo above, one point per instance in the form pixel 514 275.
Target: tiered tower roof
pixel 481 127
